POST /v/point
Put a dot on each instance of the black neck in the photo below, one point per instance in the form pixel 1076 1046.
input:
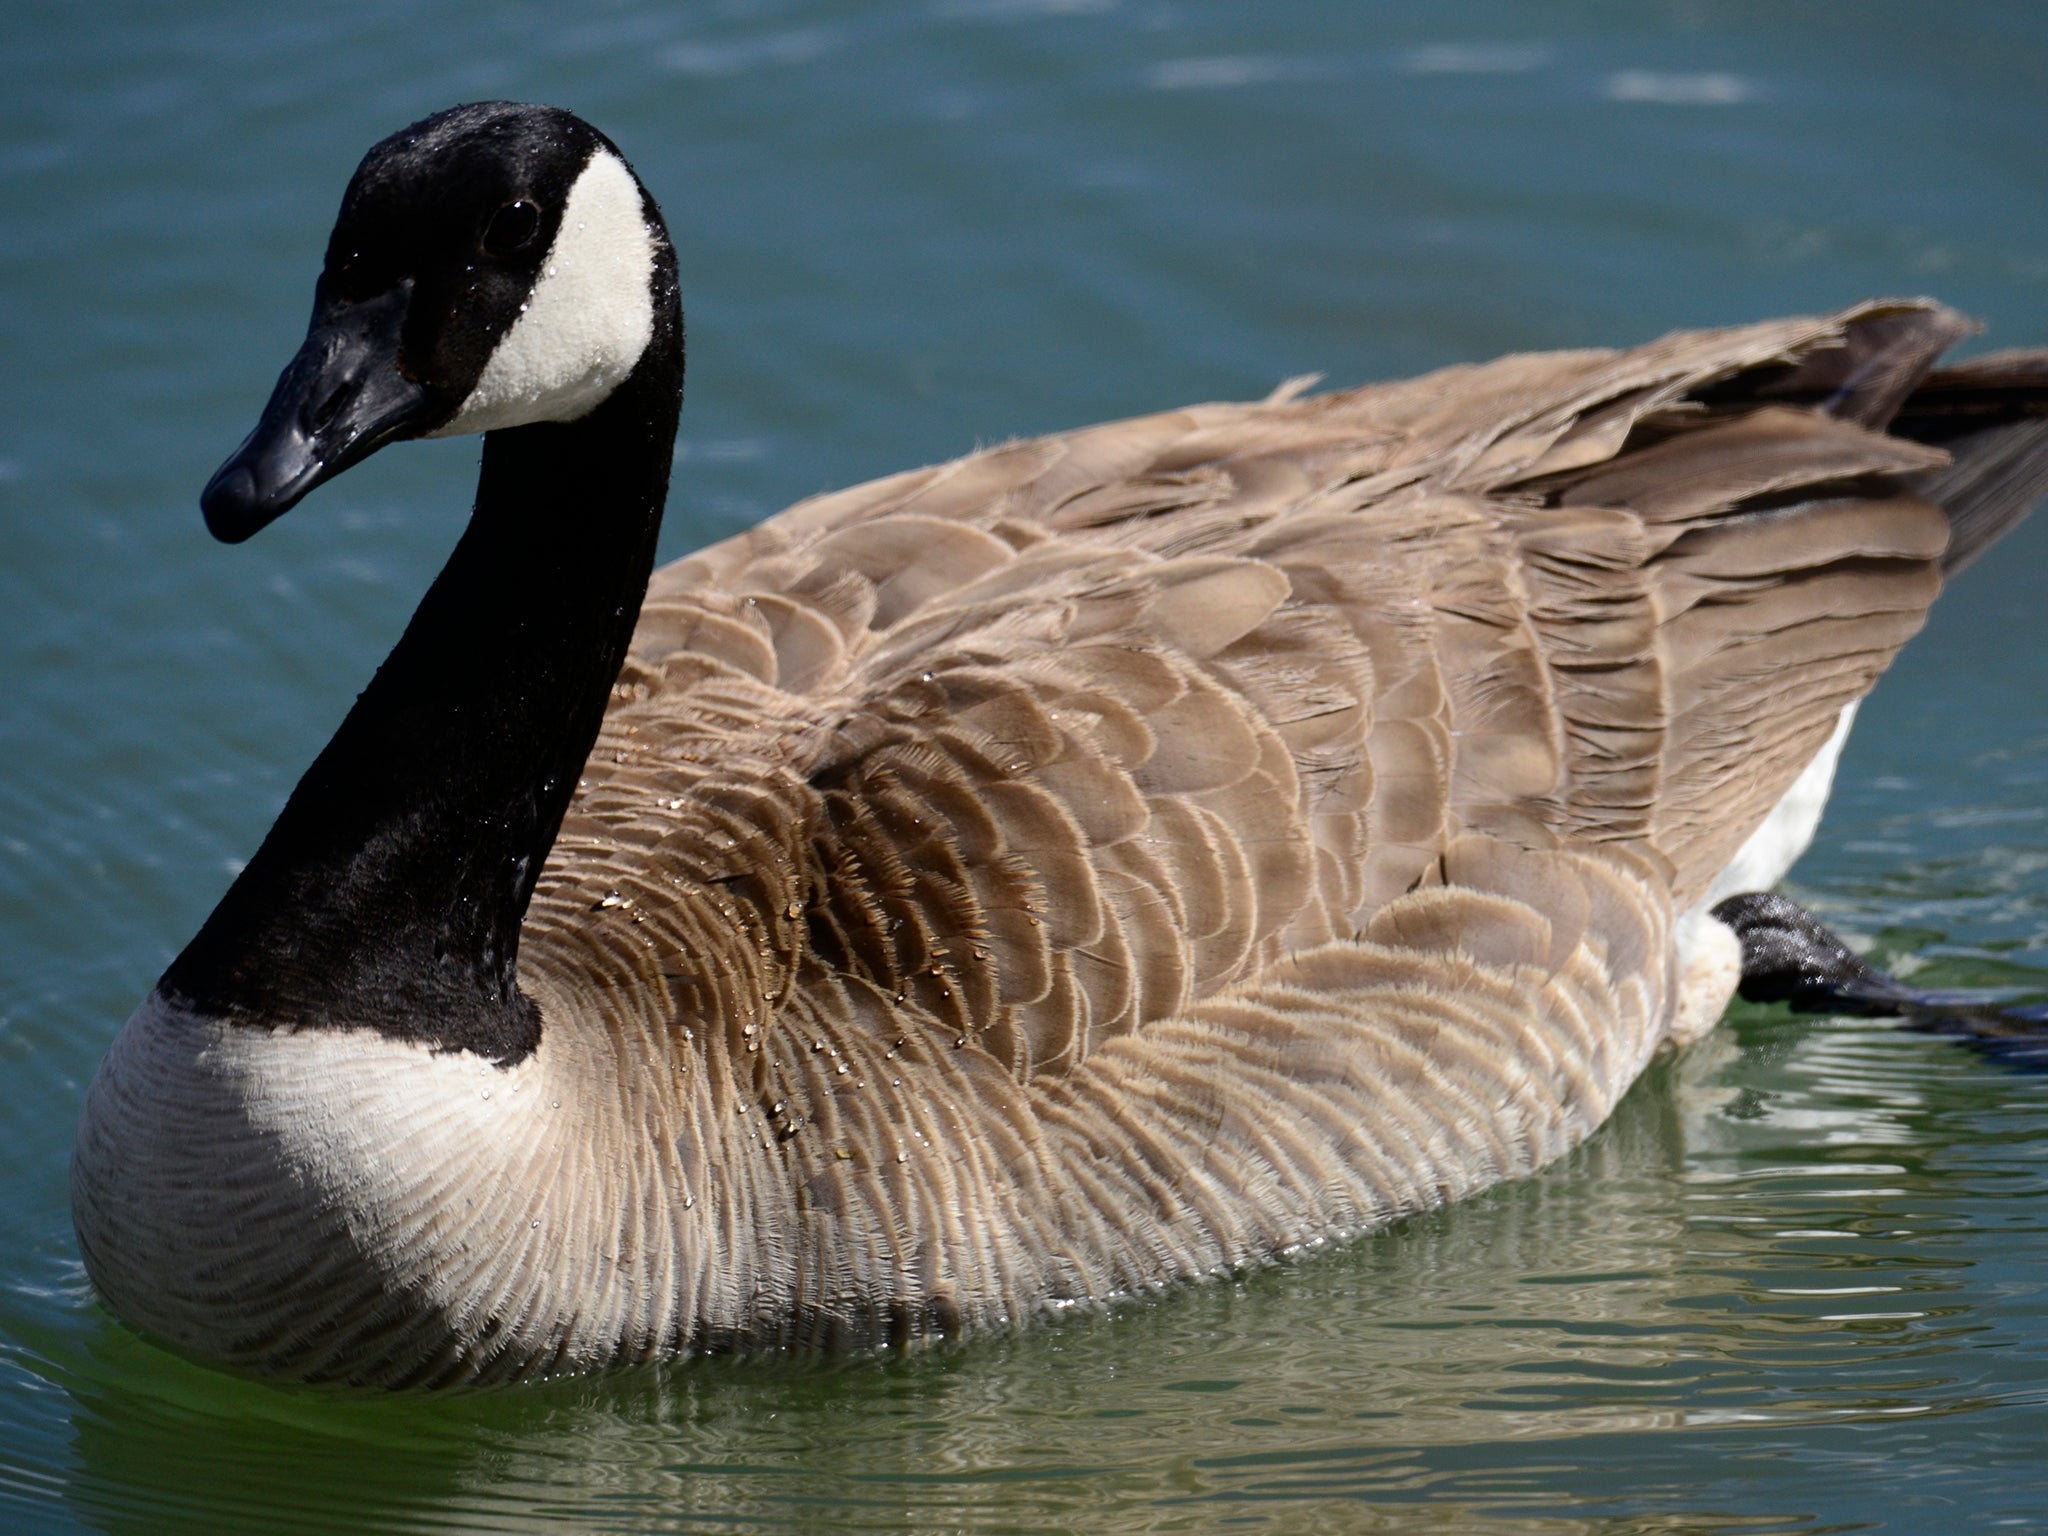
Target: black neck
pixel 390 892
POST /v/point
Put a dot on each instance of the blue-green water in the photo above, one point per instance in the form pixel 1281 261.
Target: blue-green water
pixel 1800 1284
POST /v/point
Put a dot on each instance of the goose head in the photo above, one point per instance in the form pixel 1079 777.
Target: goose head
pixel 496 268
pixel 265 1144
pixel 493 266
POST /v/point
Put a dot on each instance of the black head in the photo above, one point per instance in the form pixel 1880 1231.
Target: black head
pixel 492 265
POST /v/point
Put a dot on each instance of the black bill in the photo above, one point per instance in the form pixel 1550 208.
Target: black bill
pixel 337 402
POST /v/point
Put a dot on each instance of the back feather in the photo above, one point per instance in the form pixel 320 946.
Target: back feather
pixel 1268 818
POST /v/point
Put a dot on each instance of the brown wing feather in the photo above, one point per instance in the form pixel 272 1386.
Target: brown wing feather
pixel 1230 826
pixel 1333 676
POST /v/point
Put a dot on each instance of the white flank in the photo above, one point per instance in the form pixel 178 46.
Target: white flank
pixel 1709 955
pixel 1774 847
pixel 588 320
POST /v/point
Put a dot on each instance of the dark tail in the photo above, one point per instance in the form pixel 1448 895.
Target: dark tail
pixel 1989 414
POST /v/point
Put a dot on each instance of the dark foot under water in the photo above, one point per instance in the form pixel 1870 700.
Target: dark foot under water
pixel 1789 956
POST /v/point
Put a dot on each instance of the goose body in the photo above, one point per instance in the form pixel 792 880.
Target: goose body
pixel 1100 861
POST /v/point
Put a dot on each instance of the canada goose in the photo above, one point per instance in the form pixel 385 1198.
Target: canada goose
pixel 1095 862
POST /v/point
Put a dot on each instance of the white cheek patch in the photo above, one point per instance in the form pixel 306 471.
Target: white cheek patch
pixel 589 317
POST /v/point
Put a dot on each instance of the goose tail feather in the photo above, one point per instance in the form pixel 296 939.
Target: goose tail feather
pixel 1990 414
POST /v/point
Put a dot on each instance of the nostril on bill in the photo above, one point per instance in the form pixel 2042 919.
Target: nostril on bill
pixel 321 411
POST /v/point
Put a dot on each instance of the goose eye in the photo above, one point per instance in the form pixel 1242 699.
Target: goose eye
pixel 356 275
pixel 511 229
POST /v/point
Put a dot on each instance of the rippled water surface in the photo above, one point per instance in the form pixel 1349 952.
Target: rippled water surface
pixel 1799 1284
